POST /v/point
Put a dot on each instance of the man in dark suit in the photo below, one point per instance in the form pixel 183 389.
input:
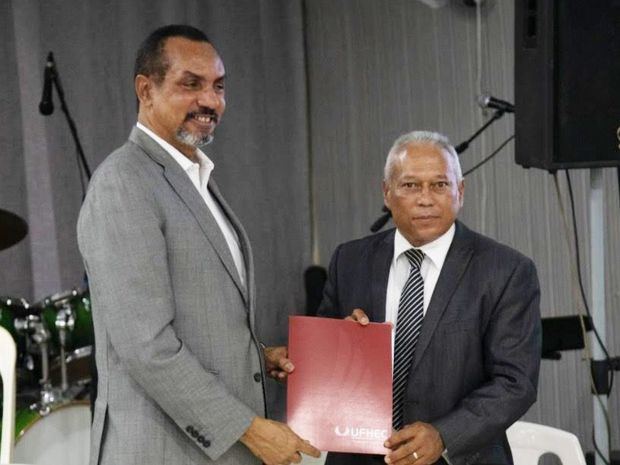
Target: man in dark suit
pixel 465 311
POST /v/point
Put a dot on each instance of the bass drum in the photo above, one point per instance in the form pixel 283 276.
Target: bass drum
pixel 61 437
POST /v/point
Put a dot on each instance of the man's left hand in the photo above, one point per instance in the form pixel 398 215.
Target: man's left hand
pixel 277 363
pixel 418 443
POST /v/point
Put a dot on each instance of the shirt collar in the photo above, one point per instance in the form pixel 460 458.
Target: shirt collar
pixel 436 250
pixel 205 165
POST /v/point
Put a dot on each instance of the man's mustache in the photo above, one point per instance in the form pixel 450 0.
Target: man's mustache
pixel 204 111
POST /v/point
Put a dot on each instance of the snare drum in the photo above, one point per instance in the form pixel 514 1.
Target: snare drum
pixel 61 437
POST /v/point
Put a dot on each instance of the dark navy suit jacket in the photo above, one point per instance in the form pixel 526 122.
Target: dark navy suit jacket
pixel 475 369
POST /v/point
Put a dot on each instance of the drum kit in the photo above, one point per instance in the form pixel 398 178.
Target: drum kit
pixel 54 339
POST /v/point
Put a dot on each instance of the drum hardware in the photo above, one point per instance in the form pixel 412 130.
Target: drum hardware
pixel 78 302
pixel 69 317
pixel 28 362
pixel 27 370
pixel 78 363
pixel 54 338
pixel 60 329
pixel 10 309
pixel 80 353
pixel 38 335
pixel 65 321
pixel 37 332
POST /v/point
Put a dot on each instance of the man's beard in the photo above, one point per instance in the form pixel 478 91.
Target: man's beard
pixel 193 140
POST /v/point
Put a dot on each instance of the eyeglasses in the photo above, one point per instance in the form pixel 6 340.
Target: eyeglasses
pixel 415 187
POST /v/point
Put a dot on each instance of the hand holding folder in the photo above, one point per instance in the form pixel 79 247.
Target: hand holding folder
pixel 340 393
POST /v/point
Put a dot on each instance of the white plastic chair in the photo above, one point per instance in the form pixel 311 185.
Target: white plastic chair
pixel 8 355
pixel 529 441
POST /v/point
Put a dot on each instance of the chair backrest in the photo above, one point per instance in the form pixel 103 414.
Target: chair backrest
pixel 7 372
pixel 528 441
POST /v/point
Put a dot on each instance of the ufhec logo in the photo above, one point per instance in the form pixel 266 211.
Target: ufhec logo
pixel 361 432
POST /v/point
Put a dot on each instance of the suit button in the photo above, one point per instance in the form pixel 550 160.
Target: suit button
pixel 257 377
pixel 189 429
pixel 206 443
pixel 194 433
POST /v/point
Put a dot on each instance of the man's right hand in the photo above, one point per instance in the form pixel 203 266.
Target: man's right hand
pixel 275 443
pixel 360 316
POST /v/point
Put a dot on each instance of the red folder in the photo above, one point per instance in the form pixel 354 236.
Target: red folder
pixel 340 395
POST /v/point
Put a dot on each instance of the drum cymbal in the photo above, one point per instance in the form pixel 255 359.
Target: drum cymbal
pixel 12 229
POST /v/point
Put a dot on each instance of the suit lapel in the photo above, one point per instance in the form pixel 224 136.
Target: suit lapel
pixel 381 260
pixel 457 261
pixel 182 185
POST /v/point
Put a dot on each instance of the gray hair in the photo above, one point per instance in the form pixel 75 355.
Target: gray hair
pixel 421 137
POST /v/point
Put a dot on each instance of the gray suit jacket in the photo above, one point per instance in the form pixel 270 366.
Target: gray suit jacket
pixel 475 368
pixel 180 369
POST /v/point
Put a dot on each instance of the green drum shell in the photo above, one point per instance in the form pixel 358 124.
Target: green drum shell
pixel 6 319
pixel 7 315
pixel 82 334
pixel 23 419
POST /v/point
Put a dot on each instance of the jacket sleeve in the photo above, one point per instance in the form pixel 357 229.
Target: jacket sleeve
pixel 512 348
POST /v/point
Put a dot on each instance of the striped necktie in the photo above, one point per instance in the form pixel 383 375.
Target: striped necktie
pixel 408 324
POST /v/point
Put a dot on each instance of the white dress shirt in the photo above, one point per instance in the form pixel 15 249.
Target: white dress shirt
pixel 434 255
pixel 199 174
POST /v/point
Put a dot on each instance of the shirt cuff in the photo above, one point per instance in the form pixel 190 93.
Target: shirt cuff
pixel 445 456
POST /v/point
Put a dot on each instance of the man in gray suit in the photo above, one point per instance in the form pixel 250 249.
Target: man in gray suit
pixel 172 283
pixel 465 311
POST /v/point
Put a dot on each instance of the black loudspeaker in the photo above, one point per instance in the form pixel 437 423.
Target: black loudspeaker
pixel 567 83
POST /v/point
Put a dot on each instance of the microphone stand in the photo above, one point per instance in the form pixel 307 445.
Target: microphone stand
pixel 465 145
pixel 382 220
pixel 65 110
pixel 385 217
